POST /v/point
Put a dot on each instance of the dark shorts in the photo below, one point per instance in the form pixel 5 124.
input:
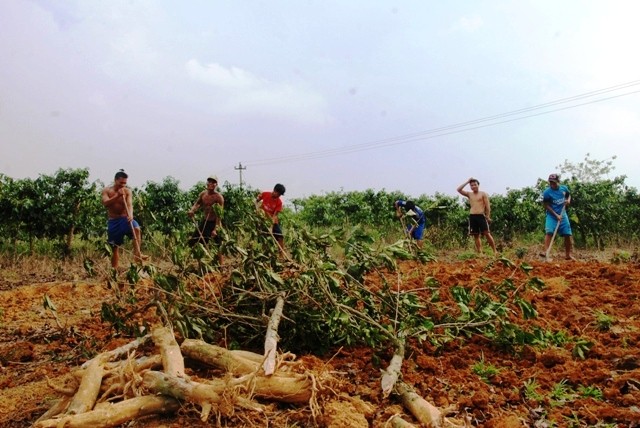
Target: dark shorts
pixel 118 228
pixel 478 224
pixel 203 233
pixel 418 230
pixel 277 231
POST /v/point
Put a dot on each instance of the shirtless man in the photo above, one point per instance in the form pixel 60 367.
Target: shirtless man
pixel 208 200
pixel 479 215
pixel 118 201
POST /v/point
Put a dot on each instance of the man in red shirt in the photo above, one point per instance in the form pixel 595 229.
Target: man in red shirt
pixel 272 205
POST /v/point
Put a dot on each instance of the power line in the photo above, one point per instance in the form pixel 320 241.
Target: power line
pixel 458 127
pixel 240 168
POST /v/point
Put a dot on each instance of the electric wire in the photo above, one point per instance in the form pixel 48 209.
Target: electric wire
pixel 457 127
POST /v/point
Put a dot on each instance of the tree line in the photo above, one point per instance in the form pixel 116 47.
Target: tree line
pixel 66 206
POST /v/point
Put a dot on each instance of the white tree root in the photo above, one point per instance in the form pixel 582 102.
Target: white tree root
pixel 271 338
pixel 58 407
pixel 85 397
pixel 207 396
pixel 112 415
pixel 129 379
pixel 234 362
pixel 122 350
pixel 393 372
pixel 289 387
pixel 397 422
pixel 425 412
pixel 172 360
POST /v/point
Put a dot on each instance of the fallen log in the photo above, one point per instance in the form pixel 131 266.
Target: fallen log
pixel 58 407
pixel 121 351
pixel 397 422
pixel 285 387
pixel 136 365
pixel 112 415
pixel 231 361
pixel 271 338
pixel 217 394
pixel 172 360
pixel 425 412
pixel 391 375
pixel 87 393
pixel 292 388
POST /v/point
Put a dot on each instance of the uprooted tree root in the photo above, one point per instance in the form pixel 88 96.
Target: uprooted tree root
pixel 111 392
pixel 122 385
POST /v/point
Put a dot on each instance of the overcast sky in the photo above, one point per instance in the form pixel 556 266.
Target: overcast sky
pixel 321 96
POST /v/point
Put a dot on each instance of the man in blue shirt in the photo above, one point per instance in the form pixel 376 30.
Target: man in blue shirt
pixel 555 199
pixel 417 220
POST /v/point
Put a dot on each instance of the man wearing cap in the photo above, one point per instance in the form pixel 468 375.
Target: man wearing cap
pixel 212 204
pixel 417 219
pixel 555 199
pixel 479 214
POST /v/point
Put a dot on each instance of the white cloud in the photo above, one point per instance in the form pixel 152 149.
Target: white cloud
pixel 244 92
pixel 232 78
pixel 468 24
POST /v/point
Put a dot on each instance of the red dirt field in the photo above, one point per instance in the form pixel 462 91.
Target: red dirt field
pixel 574 293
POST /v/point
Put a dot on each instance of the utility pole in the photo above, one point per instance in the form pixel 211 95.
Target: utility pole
pixel 240 168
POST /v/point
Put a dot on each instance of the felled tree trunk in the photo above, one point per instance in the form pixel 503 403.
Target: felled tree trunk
pixel 271 338
pixel 114 414
pixel 231 361
pixel 425 412
pixel 205 395
pixel 122 350
pixel 289 388
pixel 398 422
pixel 85 397
pixel 391 375
pixel 294 388
pixel 59 407
pixel 172 360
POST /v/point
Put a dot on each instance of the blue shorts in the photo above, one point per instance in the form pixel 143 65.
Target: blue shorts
pixel 417 232
pixel 551 222
pixel 118 228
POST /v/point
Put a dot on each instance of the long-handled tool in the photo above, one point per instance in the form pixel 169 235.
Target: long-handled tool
pixel 547 255
pixel 136 243
pixel 408 235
